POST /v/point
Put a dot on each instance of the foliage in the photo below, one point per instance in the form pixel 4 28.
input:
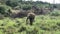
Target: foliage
pixel 11 3
pixel 55 13
pixel 26 7
pixel 4 9
pixel 44 24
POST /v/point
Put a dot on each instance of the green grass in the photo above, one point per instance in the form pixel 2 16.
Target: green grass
pixel 44 24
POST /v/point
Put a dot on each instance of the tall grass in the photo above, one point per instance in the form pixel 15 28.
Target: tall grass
pixel 43 25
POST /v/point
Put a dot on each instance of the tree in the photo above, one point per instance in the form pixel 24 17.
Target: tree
pixel 26 7
pixel 11 3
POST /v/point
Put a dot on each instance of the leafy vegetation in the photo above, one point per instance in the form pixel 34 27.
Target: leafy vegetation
pixel 55 13
pixel 11 3
pixel 42 25
pixel 26 7
pixel 4 9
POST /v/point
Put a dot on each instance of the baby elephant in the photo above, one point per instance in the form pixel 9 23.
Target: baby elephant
pixel 31 17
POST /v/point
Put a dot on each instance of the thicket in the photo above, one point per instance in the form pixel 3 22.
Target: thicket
pixel 24 5
pixel 4 10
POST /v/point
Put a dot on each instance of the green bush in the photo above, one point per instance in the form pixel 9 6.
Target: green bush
pixel 55 13
pixel 26 7
pixel 4 9
pixel 11 3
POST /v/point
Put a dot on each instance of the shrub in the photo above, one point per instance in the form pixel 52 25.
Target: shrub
pixel 11 3
pixel 55 13
pixel 4 10
pixel 26 7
